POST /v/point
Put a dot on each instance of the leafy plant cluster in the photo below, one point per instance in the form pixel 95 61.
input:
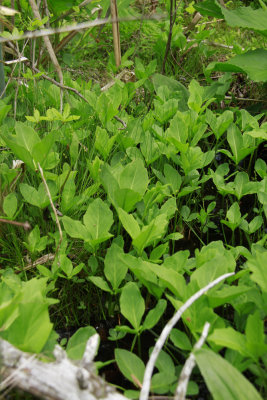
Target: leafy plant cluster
pixel 147 212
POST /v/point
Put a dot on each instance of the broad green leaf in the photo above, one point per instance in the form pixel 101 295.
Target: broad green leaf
pixel 38 198
pixel 171 279
pixel 149 233
pixel 247 17
pixel 134 176
pixel 98 220
pixel 253 63
pixel 260 133
pixel 102 142
pixel 212 269
pixel 66 265
pixel 35 242
pixel 114 270
pixel 242 185
pixel 129 223
pixel 255 337
pixel 222 123
pixel 175 88
pixel 154 315
pixel 77 343
pixel 161 382
pixel 31 329
pixel 131 366
pixel 26 136
pixel 132 304
pixel 195 98
pixel 172 177
pixel 68 193
pixel 75 228
pixel 164 362
pixel 10 205
pixel 225 294
pixel 4 109
pixel 20 152
pixel 257 265
pixel 177 133
pixel 41 149
pixel 209 8
pixel 150 148
pixel 223 380
pixel 164 112
pixel 100 282
pixel 228 337
pixel 180 339
pixel 234 217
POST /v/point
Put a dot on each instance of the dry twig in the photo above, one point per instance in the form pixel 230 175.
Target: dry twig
pixel 53 207
pixel 50 51
pixel 166 331
pixel 185 374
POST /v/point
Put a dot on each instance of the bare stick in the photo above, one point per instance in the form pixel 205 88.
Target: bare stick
pixel 50 51
pixel 79 27
pixel 185 374
pixel 24 225
pixel 116 32
pixel 166 331
pixel 52 205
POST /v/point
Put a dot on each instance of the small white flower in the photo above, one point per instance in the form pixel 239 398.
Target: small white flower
pixel 17 164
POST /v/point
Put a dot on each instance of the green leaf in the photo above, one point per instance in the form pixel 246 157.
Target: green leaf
pixel 195 99
pixel 10 205
pixel 171 279
pixel 164 112
pixel 228 337
pixel 132 304
pixel 102 142
pixel 180 339
pixel 172 177
pixel 114 270
pixel 255 336
pixel 223 380
pixel 38 197
pixel 257 265
pixel 75 228
pixel 41 149
pixel 31 328
pixel 253 63
pixel 129 223
pixel 77 343
pixel 134 176
pixel 100 282
pixel 234 217
pixel 154 315
pixel 149 233
pixel 66 265
pixel 210 8
pixel 98 220
pixel 247 17
pixel 35 242
pixel 131 366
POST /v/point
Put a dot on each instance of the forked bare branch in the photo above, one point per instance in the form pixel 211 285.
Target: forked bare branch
pixel 167 330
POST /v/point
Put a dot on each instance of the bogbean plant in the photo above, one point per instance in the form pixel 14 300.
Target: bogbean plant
pixel 129 201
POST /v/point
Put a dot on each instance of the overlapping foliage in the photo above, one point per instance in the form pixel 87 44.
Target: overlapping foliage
pixel 150 214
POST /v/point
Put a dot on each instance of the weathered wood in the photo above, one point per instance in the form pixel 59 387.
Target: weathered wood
pixel 62 379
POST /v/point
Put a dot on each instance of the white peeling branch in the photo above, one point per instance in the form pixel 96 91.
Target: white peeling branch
pixel 185 374
pixel 166 331
pixel 59 380
pixel 79 27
